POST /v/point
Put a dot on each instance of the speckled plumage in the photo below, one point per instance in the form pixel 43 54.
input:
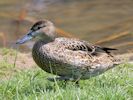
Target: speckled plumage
pixel 59 58
pixel 69 57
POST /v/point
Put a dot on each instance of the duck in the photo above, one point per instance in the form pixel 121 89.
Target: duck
pixel 67 58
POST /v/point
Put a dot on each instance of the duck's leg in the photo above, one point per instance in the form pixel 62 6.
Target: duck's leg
pixel 65 79
pixel 61 78
pixel 77 81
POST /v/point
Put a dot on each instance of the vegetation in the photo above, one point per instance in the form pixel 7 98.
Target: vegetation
pixel 32 84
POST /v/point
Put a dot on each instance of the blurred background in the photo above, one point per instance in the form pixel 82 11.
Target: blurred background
pixel 103 22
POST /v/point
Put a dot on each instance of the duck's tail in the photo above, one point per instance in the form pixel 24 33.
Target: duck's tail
pixel 124 58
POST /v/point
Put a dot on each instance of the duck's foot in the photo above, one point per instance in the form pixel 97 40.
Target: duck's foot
pixel 65 79
pixel 59 79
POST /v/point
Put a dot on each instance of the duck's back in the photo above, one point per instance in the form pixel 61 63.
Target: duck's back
pixel 55 57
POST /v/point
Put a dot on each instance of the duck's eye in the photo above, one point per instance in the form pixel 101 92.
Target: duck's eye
pixel 38 27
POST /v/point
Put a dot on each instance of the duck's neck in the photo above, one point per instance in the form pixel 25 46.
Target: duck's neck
pixel 42 40
pixel 38 44
pixel 46 40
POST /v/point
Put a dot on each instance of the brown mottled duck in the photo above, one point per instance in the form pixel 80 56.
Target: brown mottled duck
pixel 68 58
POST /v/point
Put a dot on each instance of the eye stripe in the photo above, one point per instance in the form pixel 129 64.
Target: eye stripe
pixel 38 25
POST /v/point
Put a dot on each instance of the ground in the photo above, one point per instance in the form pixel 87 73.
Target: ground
pixel 21 79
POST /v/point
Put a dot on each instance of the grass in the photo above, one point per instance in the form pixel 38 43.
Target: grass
pixel 5 66
pixel 31 84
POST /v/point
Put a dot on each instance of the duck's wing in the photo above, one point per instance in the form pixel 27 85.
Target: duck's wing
pixel 76 44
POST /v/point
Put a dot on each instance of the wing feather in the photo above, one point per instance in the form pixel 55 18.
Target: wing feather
pixel 75 45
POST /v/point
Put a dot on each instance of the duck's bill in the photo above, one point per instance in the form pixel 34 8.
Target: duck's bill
pixel 24 39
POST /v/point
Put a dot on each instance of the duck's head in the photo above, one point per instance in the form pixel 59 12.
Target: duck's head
pixel 41 29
